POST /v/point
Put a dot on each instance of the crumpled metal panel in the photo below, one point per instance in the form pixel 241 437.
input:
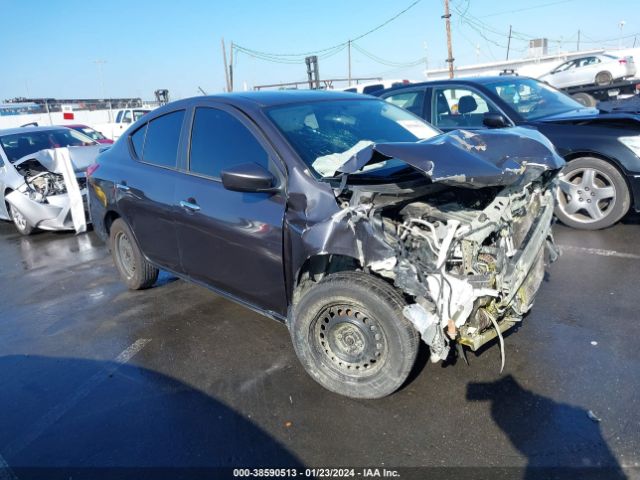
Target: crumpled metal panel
pixel 66 161
pixel 469 159
pixel 315 224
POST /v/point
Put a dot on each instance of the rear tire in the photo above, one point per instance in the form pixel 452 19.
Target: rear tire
pixel 585 99
pixel 19 220
pixel 134 269
pixel 604 78
pixel 351 336
pixel 592 194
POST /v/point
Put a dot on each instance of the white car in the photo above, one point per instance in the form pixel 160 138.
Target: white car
pixel 370 87
pixel 601 69
pixel 42 177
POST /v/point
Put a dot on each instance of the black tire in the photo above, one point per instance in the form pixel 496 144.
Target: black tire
pixel 351 336
pixel 604 78
pixel 134 269
pixel 19 221
pixel 585 99
pixel 579 199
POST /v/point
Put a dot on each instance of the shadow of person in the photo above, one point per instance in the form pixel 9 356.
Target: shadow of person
pixel 76 418
pixel 559 440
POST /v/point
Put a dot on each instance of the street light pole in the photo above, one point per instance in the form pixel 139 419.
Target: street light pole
pixel 621 26
pixel 100 63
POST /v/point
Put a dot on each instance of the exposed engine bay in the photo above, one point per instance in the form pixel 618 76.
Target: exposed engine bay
pixel 468 252
pixel 52 195
pixel 471 267
pixel 40 183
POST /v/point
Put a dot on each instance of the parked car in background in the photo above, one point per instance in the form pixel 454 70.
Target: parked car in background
pixel 371 87
pixel 600 69
pixel 42 177
pixel 123 120
pixel 325 211
pixel 91 133
pixel 601 180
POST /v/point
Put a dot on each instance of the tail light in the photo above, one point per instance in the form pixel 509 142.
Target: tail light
pixel 622 61
pixel 91 169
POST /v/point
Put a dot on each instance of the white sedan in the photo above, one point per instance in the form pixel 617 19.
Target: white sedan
pixel 42 177
pixel 601 69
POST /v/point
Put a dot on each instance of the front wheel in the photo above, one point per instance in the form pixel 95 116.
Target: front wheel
pixel 20 221
pixel 351 336
pixel 134 269
pixel 592 194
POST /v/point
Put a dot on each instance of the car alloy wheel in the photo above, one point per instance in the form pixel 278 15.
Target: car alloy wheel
pixel 586 195
pixel 20 221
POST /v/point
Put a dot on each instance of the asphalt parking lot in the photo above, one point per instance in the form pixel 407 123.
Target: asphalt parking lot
pixel 93 375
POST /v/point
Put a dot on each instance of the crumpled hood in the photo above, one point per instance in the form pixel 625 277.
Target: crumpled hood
pixel 469 159
pixel 81 158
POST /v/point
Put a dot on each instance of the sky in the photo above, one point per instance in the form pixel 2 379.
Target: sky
pixel 49 48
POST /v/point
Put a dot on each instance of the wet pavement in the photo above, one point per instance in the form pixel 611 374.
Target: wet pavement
pixel 93 375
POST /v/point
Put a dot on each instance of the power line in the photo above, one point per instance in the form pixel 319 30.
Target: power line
pixel 533 7
pixel 388 63
pixel 332 50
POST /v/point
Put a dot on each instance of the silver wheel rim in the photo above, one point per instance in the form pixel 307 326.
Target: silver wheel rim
pixel 586 195
pixel 125 254
pixel 18 219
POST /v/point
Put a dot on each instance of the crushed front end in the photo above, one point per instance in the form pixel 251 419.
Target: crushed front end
pixel 473 272
pixel 53 195
pixel 469 248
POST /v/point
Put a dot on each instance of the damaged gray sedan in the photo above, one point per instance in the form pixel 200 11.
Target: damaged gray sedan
pixel 42 177
pixel 356 223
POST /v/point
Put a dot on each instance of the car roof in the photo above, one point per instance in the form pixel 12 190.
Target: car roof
pixel 11 131
pixel 460 81
pixel 270 98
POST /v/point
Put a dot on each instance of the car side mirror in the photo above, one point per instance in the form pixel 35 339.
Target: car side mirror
pixel 494 120
pixel 248 177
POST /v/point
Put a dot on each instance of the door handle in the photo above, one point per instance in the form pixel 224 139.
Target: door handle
pixel 122 186
pixel 193 207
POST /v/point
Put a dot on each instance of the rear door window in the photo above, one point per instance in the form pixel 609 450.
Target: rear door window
pixel 162 139
pixel 456 107
pixel 220 141
pixel 412 101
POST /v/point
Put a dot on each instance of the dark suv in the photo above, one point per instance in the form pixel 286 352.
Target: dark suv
pixel 350 219
pixel 602 178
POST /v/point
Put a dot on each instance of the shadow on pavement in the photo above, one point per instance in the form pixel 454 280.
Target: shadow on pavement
pixel 548 433
pixel 74 418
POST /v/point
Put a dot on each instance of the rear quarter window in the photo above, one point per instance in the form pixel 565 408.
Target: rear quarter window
pixel 137 141
pixel 162 139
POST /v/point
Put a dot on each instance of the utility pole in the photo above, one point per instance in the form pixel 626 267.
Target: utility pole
pixel 447 23
pixel 509 42
pixel 226 68
pixel 349 57
pixel 578 46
